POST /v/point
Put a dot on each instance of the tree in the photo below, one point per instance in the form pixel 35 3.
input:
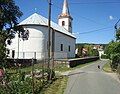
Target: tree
pixel 9 14
pixel 91 51
pixel 112 48
pixel 118 34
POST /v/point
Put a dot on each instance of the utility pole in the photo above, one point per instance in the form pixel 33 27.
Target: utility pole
pixel 18 42
pixel 49 34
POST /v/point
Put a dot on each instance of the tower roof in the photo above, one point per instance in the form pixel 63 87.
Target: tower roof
pixel 65 10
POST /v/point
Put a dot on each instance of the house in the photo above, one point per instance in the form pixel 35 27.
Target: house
pixel 35 44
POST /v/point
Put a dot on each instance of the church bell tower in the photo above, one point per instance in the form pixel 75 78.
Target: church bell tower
pixel 64 18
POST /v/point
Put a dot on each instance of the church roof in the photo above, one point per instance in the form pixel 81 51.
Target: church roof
pixel 36 19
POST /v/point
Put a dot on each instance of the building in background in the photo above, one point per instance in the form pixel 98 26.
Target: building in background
pixel 35 44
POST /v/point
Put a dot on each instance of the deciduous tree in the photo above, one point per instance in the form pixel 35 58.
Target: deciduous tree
pixel 9 14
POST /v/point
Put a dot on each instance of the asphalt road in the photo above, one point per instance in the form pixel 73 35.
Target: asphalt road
pixel 91 80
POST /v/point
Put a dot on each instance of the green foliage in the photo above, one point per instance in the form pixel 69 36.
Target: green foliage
pixel 50 73
pixel 79 47
pixel 107 67
pixel 118 34
pixel 115 61
pixel 57 87
pixel 113 53
pixel 91 51
pixel 9 13
pixel 89 48
pixel 95 52
pixel 19 84
pixel 104 56
pixel 112 48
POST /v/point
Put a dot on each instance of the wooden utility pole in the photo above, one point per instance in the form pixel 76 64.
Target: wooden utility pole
pixel 49 32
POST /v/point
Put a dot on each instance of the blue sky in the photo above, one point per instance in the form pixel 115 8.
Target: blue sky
pixel 93 20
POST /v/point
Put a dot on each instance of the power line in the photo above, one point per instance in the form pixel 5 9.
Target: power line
pixel 94 3
pixel 88 19
pixel 95 30
pixel 91 20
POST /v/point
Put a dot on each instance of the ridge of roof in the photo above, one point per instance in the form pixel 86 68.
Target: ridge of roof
pixel 37 19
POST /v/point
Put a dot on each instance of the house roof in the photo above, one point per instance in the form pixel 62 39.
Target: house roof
pixel 36 19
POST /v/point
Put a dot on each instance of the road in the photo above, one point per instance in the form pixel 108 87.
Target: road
pixel 91 80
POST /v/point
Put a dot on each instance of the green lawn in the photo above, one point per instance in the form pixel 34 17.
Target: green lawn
pixel 107 67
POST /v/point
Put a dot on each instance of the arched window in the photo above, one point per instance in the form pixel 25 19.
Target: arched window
pixel 63 23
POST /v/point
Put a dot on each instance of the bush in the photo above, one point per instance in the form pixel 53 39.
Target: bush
pixel 112 48
pixel 19 84
pixel 104 56
pixel 115 61
pixel 50 73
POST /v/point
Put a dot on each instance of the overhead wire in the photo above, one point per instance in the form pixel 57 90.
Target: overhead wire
pixel 94 2
pixel 88 19
pixel 85 18
pixel 91 31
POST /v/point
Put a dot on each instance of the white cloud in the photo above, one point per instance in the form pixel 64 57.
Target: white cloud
pixel 111 17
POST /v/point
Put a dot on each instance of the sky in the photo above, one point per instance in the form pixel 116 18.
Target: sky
pixel 93 20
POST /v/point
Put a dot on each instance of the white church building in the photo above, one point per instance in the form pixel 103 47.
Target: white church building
pixel 36 43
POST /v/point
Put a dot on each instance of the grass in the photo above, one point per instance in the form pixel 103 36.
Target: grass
pixel 25 69
pixel 62 67
pixel 107 68
pixel 57 87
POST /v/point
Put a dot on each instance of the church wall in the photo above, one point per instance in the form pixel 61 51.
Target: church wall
pixel 66 41
pixel 31 48
pixel 37 42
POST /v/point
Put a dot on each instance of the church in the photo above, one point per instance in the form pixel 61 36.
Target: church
pixel 35 45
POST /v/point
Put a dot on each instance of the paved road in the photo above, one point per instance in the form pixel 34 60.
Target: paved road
pixel 91 80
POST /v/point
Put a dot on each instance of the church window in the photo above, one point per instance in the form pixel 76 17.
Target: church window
pixel 13 53
pixel 61 47
pixel 63 23
pixel 70 23
pixel 69 48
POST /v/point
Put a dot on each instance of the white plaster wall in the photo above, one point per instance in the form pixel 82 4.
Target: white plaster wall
pixel 37 42
pixel 66 23
pixel 66 41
